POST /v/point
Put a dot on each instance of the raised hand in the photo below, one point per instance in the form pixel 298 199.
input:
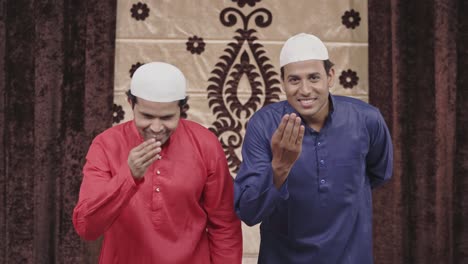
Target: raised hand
pixel 286 146
pixel 142 156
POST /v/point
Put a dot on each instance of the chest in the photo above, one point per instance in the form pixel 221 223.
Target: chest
pixel 331 162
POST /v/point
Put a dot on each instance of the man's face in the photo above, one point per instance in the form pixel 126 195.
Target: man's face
pixel 306 86
pixel 156 120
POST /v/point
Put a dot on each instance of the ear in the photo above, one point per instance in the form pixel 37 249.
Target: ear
pixel 282 84
pixel 130 103
pixel 331 77
pixel 282 78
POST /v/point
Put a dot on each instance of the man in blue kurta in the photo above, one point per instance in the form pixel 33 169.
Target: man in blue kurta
pixel 309 165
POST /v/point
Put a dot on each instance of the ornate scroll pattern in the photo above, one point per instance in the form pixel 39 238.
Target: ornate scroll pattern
pixel 244 59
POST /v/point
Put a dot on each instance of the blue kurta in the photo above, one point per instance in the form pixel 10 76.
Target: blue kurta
pixel 323 211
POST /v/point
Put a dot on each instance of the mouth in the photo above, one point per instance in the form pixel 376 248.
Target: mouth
pixel 307 102
pixel 156 137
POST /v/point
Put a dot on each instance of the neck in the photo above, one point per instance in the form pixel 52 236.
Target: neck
pixel 317 121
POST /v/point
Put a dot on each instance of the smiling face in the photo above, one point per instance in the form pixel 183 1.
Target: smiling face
pixel 306 86
pixel 156 120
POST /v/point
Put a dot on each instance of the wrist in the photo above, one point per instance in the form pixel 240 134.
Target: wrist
pixel 280 169
pixel 280 174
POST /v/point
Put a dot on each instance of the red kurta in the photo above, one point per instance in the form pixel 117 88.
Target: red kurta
pixel 181 212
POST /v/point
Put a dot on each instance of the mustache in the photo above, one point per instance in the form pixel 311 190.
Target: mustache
pixel 159 135
pixel 151 132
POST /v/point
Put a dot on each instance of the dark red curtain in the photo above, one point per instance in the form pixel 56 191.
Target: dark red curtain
pixel 418 67
pixel 56 88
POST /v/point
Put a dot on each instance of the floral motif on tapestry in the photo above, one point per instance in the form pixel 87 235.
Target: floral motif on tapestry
pixel 348 79
pixel 118 113
pixel 140 11
pixel 351 19
pixel 195 45
pixel 241 3
pixel 134 68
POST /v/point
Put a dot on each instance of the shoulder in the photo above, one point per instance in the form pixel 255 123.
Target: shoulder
pixel 265 121
pixel 361 113
pixel 114 132
pixel 359 107
pixel 203 142
pixel 116 138
pixel 269 115
pixel 195 127
pixel 198 133
pixel 109 143
pixel 271 110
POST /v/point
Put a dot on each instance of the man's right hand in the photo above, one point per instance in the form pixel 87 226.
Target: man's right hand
pixel 286 146
pixel 142 156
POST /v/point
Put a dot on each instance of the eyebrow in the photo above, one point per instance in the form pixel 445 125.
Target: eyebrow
pixel 314 74
pixel 308 75
pixel 293 76
pixel 151 115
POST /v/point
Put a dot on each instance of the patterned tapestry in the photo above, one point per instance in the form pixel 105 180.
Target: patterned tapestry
pixel 229 53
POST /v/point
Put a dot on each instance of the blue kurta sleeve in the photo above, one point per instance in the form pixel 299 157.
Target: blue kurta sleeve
pixel 379 159
pixel 255 195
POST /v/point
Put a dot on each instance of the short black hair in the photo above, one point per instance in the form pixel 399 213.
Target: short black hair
pixel 134 100
pixel 327 64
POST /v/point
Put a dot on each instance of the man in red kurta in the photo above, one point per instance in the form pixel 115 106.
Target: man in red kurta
pixel 158 187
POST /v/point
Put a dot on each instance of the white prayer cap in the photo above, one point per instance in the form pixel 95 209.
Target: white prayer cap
pixel 158 82
pixel 302 47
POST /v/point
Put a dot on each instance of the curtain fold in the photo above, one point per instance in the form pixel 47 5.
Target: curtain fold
pixel 56 86
pixel 417 77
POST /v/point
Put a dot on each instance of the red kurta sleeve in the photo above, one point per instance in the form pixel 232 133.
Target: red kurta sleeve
pixel 224 228
pixel 102 195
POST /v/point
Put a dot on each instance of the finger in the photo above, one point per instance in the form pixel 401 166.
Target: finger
pixel 280 130
pixel 148 155
pixel 282 125
pixel 138 161
pixel 147 163
pixel 289 128
pixel 295 130
pixel 146 147
pixel 300 135
pixel 143 145
pixel 150 147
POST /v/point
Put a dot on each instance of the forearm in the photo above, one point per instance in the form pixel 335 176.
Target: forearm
pixel 97 208
pixel 380 157
pixel 254 202
pixel 376 181
pixel 225 235
pixel 280 173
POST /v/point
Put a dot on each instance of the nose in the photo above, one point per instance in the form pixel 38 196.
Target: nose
pixel 156 125
pixel 304 87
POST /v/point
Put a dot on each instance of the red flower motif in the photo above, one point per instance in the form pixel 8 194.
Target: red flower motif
pixel 140 11
pixel 118 113
pixel 195 45
pixel 134 68
pixel 349 79
pixel 241 3
pixel 351 19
